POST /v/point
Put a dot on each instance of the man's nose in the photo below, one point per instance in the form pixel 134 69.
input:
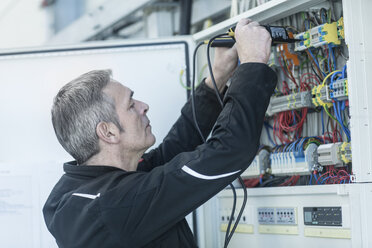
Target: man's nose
pixel 144 107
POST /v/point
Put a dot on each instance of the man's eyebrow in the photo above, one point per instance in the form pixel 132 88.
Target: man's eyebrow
pixel 130 96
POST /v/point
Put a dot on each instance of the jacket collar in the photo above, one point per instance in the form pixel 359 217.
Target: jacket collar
pixel 88 170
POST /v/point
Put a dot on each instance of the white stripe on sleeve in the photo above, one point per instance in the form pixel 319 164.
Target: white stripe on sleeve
pixel 201 176
pixel 87 195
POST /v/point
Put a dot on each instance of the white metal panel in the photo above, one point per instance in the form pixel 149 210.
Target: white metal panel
pixel 358 36
pixel 350 197
pixel 366 206
pixel 265 13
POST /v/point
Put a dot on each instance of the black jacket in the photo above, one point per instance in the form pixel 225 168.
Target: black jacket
pixel 103 206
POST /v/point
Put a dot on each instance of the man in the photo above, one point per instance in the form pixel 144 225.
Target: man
pixel 108 199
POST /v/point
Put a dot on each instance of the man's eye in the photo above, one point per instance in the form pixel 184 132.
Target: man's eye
pixel 132 105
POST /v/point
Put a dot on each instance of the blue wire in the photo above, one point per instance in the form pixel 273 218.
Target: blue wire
pixel 316 178
pixel 329 64
pixel 333 56
pixel 343 71
pixel 294 118
pixel 316 61
pixel 267 126
pixel 346 130
pixel 339 108
pixel 336 107
pixel 285 147
pixel 300 145
pixel 321 114
pixel 333 78
pixel 311 178
pixel 292 146
pixel 323 18
pixel 325 179
pixel 306 26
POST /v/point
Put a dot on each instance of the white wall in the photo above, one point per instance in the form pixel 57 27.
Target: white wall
pixel 23 23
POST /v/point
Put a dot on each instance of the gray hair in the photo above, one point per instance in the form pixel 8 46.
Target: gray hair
pixel 78 108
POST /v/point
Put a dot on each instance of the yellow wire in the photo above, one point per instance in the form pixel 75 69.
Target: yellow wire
pixel 326 110
pixel 324 106
pixel 199 79
pixel 330 74
pixel 181 80
pixel 320 63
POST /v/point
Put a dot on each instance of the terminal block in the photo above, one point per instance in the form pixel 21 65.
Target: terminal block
pixel 290 102
pixel 345 152
pixel 328 33
pixel 337 154
pixel 340 28
pixel 294 163
pixel 323 95
pixel 259 165
pixel 338 90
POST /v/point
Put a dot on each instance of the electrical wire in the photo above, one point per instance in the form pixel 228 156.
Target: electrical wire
pixel 210 67
pixel 240 213
pixel 202 136
pixel 193 93
pixel 228 233
pixel 221 103
pixel 227 236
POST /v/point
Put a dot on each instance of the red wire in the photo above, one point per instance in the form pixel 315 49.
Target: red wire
pixel 285 73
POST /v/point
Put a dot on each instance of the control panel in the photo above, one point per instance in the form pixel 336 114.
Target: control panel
pixel 277 216
pixel 323 216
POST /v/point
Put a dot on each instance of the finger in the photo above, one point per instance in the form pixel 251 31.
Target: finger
pixel 243 22
pixel 254 24
pixel 233 48
pixel 221 50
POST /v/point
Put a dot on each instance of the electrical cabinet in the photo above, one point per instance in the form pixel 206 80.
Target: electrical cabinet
pixel 304 208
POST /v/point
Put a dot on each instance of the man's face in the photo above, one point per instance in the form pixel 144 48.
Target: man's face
pixel 137 135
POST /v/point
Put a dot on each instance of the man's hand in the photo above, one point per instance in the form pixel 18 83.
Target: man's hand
pixel 253 42
pixel 224 64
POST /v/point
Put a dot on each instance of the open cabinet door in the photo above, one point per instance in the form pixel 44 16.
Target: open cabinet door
pixel 30 156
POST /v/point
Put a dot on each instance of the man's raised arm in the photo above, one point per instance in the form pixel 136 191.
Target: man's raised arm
pixel 183 136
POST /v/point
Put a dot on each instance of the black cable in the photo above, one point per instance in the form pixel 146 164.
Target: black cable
pixel 210 68
pixel 240 179
pixel 327 129
pixel 201 134
pixel 196 123
pixel 276 180
pixel 316 74
pixel 193 91
pixel 240 213
pixel 231 217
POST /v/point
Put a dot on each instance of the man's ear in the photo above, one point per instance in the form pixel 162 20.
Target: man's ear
pixel 108 132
